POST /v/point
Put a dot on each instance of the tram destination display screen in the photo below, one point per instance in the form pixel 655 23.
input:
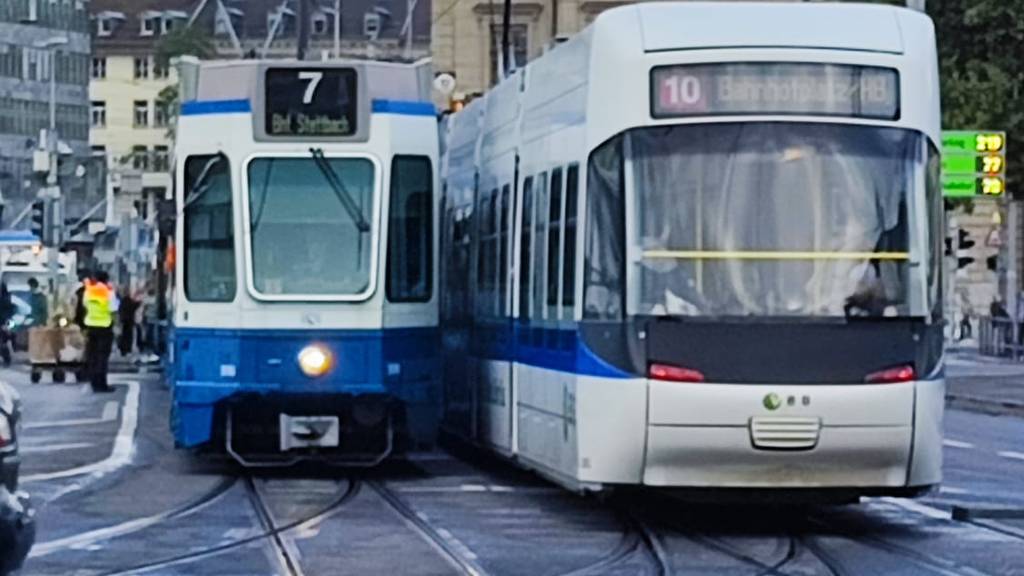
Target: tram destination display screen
pixel 318 102
pixel 775 88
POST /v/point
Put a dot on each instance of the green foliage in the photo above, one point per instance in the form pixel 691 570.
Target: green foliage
pixel 981 44
pixel 185 41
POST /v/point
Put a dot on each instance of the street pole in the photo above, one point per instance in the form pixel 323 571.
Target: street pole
pixel 337 29
pixel 303 29
pixel 505 24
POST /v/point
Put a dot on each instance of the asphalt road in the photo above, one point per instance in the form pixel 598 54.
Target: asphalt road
pixel 114 497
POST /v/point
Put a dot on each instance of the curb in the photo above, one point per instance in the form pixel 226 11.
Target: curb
pixel 985 405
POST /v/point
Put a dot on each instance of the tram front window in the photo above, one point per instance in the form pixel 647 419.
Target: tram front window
pixel 775 219
pixel 308 221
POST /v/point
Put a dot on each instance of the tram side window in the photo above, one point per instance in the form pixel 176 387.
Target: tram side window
pixel 936 223
pixel 410 230
pixel 604 259
pixel 503 259
pixel 209 230
pixel 572 178
pixel 554 241
pixel 540 247
pixel 525 241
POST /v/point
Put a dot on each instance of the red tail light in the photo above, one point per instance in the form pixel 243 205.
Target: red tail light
pixel 674 373
pixel 892 375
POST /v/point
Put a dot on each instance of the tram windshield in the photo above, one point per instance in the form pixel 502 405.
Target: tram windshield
pixel 308 220
pixel 775 219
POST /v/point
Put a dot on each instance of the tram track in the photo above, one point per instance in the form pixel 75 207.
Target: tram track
pixel 453 551
pixel 270 529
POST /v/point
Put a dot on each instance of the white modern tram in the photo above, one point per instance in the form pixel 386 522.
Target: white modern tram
pixel 699 245
pixel 305 323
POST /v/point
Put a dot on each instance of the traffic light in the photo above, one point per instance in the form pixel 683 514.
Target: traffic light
pixel 38 225
pixel 963 245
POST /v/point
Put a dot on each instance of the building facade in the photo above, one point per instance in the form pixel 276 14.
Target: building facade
pixel 467 34
pixel 129 125
pixel 39 38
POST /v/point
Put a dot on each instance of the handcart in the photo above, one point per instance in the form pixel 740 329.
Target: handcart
pixel 58 349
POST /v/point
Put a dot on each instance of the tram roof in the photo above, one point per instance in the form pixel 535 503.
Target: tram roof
pixel 710 25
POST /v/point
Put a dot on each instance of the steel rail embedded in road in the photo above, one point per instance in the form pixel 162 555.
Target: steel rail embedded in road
pixel 466 564
pixel 351 489
pixel 285 558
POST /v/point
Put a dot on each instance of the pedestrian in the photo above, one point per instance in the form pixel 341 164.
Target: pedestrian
pixel 126 317
pixel 83 276
pixel 101 304
pixel 37 304
pixel 6 314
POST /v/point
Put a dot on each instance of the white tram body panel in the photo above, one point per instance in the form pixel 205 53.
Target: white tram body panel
pixel 241 338
pixel 536 384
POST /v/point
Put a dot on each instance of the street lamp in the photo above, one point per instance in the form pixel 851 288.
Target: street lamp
pixel 56 214
pixel 51 44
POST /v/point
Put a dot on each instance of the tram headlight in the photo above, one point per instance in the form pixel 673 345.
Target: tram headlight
pixel 315 360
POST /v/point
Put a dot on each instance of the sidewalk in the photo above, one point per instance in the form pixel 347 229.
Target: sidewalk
pixel 984 383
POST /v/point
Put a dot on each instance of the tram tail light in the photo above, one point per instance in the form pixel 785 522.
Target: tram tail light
pixel 671 373
pixel 892 375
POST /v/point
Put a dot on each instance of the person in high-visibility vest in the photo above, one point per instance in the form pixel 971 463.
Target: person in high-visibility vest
pixel 100 301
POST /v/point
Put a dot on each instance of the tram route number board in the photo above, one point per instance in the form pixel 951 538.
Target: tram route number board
pixel 973 163
pixel 310 102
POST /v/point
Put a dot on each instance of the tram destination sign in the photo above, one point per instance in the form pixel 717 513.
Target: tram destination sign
pixel 973 163
pixel 316 102
pixel 775 88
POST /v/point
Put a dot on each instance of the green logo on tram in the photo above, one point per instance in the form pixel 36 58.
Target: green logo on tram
pixel 772 401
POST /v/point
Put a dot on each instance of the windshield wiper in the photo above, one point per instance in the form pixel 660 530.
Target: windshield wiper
pixel 200 186
pixel 339 190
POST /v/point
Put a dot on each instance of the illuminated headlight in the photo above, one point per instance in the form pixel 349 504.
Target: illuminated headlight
pixel 315 360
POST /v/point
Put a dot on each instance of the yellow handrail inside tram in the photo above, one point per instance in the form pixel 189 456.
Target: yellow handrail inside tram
pixel 771 255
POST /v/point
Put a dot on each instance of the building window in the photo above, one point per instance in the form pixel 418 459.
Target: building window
pixel 209 255
pixel 140 158
pixel 98 114
pixel 98 151
pixel 148 26
pixel 168 25
pixel 371 25
pixel 99 68
pixel 518 49
pixel 319 24
pixel 160 71
pixel 141 67
pixel 141 114
pixel 160 115
pixel 410 230
pixel 161 159
pixel 104 27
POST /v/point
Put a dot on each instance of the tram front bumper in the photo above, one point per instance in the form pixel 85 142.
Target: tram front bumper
pixel 736 436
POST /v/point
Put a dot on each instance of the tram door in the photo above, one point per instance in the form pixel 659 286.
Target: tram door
pixel 494 336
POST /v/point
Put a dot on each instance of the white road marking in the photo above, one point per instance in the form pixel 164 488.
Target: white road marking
pixel 85 539
pixel 109 415
pixel 957 444
pixel 1012 455
pixel 953 490
pixel 124 445
pixel 913 506
pixel 54 447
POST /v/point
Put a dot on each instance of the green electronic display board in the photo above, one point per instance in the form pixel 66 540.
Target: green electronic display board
pixel 973 163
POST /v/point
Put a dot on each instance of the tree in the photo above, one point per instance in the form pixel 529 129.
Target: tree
pixel 981 70
pixel 187 41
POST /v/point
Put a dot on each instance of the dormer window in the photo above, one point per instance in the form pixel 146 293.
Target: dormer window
pixel 149 21
pixel 168 25
pixel 371 25
pixel 169 20
pixel 104 27
pixel 319 24
pixel 106 22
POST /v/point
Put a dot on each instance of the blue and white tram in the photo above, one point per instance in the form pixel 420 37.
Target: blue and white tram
pixel 306 320
pixel 699 245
